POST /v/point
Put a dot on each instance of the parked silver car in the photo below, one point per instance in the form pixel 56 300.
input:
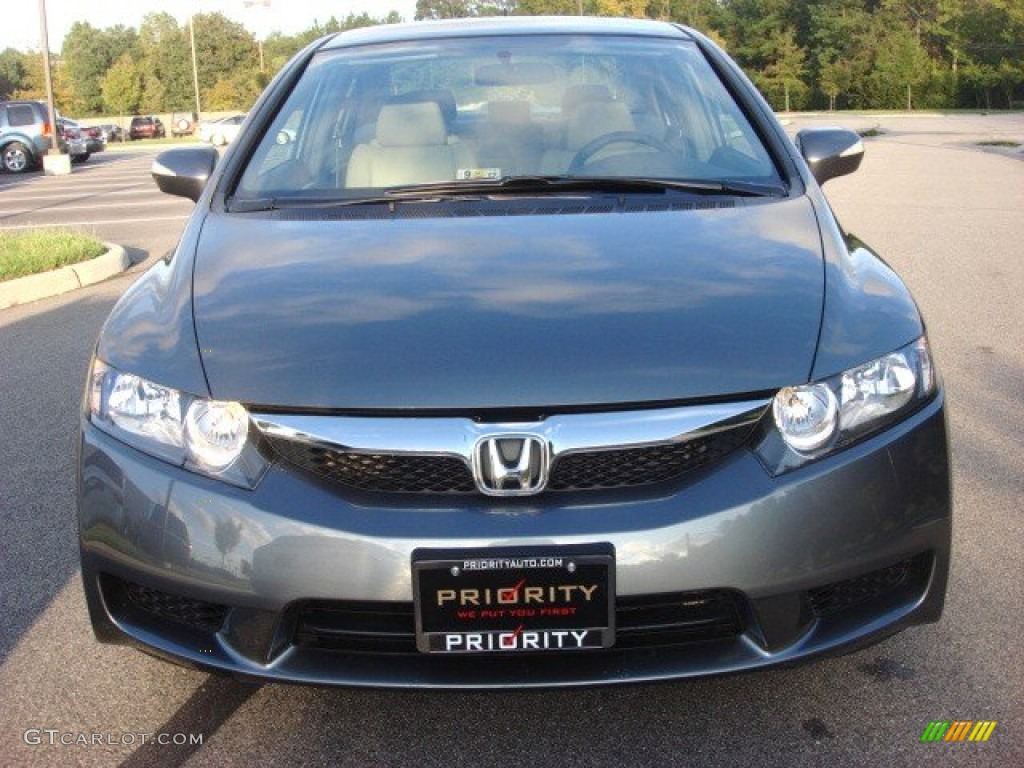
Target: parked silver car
pixel 222 131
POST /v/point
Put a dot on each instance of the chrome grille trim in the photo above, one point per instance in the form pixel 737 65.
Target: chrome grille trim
pixel 564 433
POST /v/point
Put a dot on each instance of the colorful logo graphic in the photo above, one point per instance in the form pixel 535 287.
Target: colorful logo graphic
pixel 958 730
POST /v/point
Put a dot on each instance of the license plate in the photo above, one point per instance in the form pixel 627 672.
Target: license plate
pixel 527 599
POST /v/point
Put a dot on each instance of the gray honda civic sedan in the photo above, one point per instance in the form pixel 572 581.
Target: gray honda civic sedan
pixel 514 352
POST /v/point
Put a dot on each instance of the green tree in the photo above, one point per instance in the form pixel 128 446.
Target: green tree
pixel 278 48
pixel 166 60
pixel 900 67
pixel 781 77
pixel 122 86
pixel 839 49
pixel 836 76
pixel 624 8
pixel 991 33
pixel 87 54
pixel 223 47
pixel 456 9
pixel 236 92
pixel 33 84
pixel 12 72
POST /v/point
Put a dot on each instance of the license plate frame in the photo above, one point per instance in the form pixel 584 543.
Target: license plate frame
pixel 527 599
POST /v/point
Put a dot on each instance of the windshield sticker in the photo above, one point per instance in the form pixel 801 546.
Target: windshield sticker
pixel 477 174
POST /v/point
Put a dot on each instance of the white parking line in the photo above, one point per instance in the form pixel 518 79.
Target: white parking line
pixel 99 182
pixel 123 190
pixel 80 179
pixel 58 208
pixel 116 170
pixel 66 224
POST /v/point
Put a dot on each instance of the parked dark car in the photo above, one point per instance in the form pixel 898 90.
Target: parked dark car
pixel 147 127
pixel 74 141
pixel 507 353
pixel 25 135
pixel 110 132
pixel 89 138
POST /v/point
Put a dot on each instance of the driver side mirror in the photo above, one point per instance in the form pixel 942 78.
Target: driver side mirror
pixel 184 172
pixel 830 152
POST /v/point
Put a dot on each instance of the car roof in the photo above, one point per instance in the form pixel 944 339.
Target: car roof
pixel 504 25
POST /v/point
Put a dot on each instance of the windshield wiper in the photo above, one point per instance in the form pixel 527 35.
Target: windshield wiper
pixel 253 205
pixel 513 186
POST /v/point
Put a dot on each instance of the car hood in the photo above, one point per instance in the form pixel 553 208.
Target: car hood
pixel 513 311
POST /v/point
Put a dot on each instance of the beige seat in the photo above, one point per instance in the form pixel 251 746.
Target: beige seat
pixel 589 120
pixel 411 146
pixel 509 141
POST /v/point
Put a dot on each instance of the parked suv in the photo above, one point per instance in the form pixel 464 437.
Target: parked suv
pixel 148 127
pixel 25 132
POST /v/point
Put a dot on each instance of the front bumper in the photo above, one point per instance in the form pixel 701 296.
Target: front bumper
pixel 826 558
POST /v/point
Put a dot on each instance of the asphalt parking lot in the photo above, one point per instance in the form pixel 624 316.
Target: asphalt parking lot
pixel 110 196
pixel 945 213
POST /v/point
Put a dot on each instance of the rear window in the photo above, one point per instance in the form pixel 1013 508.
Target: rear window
pixel 384 116
pixel 20 114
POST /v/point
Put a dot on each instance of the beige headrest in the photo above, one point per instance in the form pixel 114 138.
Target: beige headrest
pixel 411 125
pixel 596 118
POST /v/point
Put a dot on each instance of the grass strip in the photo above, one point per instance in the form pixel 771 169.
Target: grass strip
pixel 29 252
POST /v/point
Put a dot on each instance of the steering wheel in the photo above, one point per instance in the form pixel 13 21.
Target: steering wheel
pixel 591 148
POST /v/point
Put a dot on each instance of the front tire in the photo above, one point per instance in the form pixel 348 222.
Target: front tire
pixel 79 159
pixel 17 158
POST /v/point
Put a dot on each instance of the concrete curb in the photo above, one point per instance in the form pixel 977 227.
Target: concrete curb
pixel 23 290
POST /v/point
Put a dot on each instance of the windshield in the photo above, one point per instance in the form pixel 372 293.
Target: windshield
pixel 364 120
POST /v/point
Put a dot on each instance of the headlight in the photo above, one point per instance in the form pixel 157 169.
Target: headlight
pixel 215 432
pixel 206 436
pixel 813 420
pixel 806 416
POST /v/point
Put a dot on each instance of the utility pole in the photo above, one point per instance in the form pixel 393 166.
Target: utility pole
pixel 195 69
pixel 259 37
pixel 55 162
pixel 45 38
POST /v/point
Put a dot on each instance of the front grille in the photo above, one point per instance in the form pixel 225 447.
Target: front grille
pixel 604 469
pixel 647 621
pixel 674 619
pixel 388 472
pixel 357 627
pixel 626 467
pixel 208 617
pixel 836 597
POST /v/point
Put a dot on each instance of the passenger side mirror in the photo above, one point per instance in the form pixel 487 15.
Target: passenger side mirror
pixel 184 172
pixel 830 152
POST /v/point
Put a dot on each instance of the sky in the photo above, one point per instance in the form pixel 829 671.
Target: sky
pixel 22 30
